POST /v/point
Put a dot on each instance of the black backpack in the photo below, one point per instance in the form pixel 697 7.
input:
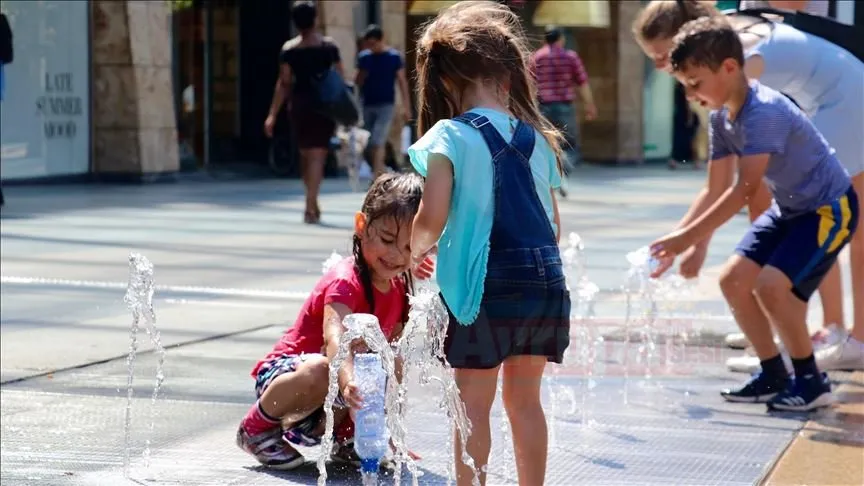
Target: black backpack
pixel 7 53
pixel 849 37
pixel 335 98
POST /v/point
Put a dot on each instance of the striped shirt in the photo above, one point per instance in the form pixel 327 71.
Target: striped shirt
pixel 556 70
pixel 803 173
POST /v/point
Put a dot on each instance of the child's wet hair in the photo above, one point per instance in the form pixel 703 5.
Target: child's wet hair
pixel 394 196
pixel 470 42
pixel 662 19
pixel 707 42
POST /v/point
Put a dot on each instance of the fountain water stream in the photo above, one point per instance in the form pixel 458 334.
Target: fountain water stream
pixel 139 300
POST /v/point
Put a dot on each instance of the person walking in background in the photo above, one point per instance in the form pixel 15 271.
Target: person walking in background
pixel 557 70
pixel 685 125
pixel 6 57
pixel 303 59
pixel 379 68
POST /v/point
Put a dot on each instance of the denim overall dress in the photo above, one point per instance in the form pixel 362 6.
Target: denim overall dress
pixel 525 309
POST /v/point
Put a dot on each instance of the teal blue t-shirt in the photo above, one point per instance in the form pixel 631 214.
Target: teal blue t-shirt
pixel 463 249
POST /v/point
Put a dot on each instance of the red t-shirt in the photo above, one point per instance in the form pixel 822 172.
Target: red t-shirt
pixel 340 285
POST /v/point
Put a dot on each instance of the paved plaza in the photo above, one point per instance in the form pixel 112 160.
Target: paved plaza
pixel 635 402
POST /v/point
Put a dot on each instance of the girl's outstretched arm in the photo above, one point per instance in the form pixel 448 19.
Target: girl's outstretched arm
pixel 434 207
pixel 333 330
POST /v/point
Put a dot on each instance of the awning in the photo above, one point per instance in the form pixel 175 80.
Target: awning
pixel 569 13
pixel 429 7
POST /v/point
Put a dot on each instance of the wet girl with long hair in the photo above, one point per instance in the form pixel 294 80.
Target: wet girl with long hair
pixel 825 81
pixel 492 164
pixel 291 381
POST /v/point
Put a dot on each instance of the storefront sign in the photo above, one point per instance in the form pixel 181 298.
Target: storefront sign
pixel 45 112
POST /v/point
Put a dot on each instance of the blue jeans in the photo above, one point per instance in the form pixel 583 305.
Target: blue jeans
pixel 377 120
pixel 563 116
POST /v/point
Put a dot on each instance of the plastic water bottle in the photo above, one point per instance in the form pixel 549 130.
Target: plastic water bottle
pixel 371 437
pixel 642 259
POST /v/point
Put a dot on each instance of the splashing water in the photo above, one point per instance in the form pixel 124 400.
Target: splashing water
pixel 139 300
pixel 652 297
pixel 421 348
pixel 367 328
pixel 643 287
pixel 423 343
pixel 331 262
pixel 585 293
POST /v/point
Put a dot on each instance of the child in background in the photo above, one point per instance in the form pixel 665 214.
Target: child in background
pixel 825 81
pixel 789 249
pixel 291 381
pixel 492 164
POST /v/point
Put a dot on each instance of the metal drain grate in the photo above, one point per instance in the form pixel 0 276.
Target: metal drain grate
pixel 661 431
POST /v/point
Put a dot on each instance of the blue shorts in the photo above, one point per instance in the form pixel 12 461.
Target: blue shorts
pixel 805 246
pixel 301 432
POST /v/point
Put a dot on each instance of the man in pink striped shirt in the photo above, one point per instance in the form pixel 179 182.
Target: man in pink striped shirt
pixel 558 71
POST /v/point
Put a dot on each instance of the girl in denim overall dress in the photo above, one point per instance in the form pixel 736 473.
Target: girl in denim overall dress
pixel 491 163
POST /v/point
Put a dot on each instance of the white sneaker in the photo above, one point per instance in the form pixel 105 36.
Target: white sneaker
pixel 847 355
pixel 737 340
pixel 833 334
pixel 752 364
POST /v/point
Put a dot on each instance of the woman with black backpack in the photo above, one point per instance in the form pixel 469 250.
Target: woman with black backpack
pixel 306 60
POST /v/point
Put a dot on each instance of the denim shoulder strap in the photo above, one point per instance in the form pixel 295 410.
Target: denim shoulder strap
pixel 523 139
pixel 493 139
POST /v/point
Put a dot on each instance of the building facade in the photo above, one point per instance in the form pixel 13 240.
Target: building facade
pixel 142 89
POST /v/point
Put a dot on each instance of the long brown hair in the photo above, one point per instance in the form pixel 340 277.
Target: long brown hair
pixel 471 42
pixel 662 19
pixel 394 196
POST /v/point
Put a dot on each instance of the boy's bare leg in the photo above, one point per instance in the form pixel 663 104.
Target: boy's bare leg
pixel 737 285
pixel 856 261
pixel 831 296
pixel 786 312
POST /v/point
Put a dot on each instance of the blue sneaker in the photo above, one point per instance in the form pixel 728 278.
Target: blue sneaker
pixel 806 393
pixel 760 389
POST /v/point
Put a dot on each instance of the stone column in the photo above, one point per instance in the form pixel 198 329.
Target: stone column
pixel 134 128
pixel 343 21
pixel 631 86
pixel 616 69
pixel 393 22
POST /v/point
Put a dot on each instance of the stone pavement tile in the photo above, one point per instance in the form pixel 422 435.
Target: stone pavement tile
pixel 56 329
pixel 607 427
pixel 829 449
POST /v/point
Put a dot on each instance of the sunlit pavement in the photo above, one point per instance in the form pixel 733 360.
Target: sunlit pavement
pixel 232 264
